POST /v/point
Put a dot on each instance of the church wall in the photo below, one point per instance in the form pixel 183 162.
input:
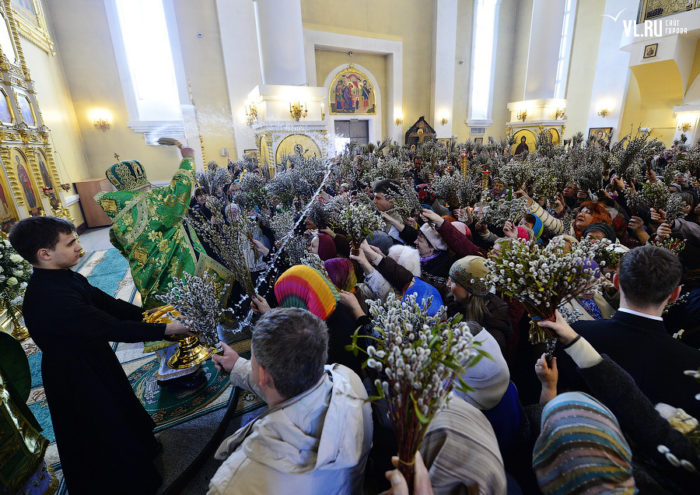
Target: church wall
pixel 694 72
pixel 57 109
pixel 463 50
pixel 505 53
pixel 521 43
pixel 584 52
pixel 632 115
pixel 327 61
pixel 204 65
pixel 412 23
pixel 84 48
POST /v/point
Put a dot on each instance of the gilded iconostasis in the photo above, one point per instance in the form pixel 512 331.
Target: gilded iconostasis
pixel 29 182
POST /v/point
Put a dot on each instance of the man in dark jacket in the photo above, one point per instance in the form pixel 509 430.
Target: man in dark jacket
pixel 636 339
pixel 104 436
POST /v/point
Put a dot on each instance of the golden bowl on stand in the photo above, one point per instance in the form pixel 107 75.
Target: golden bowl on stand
pixel 190 351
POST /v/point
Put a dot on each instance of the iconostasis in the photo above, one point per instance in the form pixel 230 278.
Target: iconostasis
pixel 29 180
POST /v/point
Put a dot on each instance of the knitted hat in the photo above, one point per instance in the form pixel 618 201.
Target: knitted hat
pixel 470 273
pixel 342 273
pixel 606 229
pixel 407 257
pixel 303 287
pixel 463 229
pixel 381 240
pixel 433 237
pixel 326 247
pixel 128 176
pixel 581 448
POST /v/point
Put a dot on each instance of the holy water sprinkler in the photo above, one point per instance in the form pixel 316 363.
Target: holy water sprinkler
pixel 166 141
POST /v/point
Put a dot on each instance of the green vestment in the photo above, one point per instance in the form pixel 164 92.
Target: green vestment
pixel 148 231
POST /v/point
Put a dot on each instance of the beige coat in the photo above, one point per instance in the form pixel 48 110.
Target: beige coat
pixel 314 443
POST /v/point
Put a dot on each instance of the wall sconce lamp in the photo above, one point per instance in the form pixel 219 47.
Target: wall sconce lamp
pixel 298 110
pixel 251 114
pixel 685 126
pixel 101 119
pixel 603 112
pixel 443 121
pixel 560 113
pixel 522 115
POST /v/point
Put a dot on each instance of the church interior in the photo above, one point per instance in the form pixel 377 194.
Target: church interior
pixel 87 84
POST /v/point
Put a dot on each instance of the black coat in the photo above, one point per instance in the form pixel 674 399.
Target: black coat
pixel 104 436
pixel 643 348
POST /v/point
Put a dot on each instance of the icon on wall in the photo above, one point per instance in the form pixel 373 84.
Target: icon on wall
pixel 351 93
pixel 650 50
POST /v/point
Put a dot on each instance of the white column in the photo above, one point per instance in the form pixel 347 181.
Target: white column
pixel 543 52
pixel 242 65
pixel 444 67
pixel 611 69
pixel 280 41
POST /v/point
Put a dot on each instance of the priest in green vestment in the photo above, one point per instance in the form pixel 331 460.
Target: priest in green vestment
pixel 148 230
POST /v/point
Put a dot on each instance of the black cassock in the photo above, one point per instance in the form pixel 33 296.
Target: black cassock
pixel 104 435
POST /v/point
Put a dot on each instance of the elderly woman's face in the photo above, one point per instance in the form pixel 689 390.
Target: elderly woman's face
pixel 313 246
pixel 584 218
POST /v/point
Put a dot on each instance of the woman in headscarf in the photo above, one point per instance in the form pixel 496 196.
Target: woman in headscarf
pixel 434 261
pixel 342 273
pixel 581 449
pixel 473 299
pixel 323 246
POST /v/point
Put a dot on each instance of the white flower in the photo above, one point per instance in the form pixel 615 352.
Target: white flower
pixel 12 281
pixel 15 258
pixel 17 273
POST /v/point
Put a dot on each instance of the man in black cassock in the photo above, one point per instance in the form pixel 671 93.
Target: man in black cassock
pixel 104 436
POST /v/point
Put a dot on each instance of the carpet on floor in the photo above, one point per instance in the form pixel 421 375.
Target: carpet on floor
pixel 109 271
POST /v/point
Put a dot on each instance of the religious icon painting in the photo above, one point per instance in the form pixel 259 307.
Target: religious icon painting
pixel 650 50
pixel 351 92
pixel 525 141
pixel 8 214
pixel 25 108
pixel 6 116
pixel 43 169
pixel 222 276
pixel 31 193
pixel 600 133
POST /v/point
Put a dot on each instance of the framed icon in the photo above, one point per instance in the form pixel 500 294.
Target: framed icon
pixel 650 50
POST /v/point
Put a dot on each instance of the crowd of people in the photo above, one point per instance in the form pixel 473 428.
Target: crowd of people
pixel 612 409
pixel 636 334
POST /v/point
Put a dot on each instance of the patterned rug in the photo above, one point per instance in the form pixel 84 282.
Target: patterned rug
pixel 109 271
